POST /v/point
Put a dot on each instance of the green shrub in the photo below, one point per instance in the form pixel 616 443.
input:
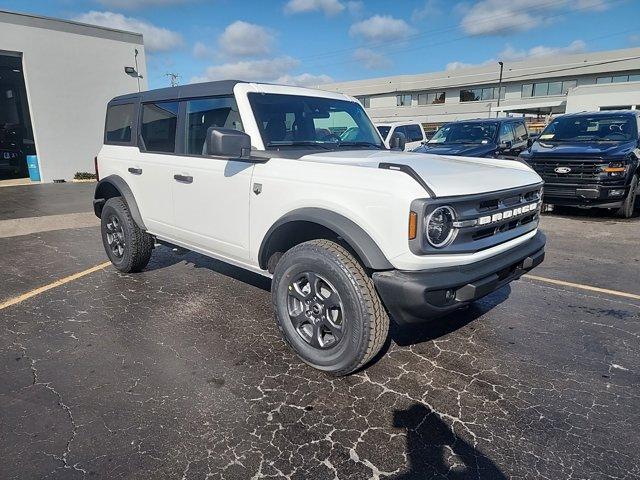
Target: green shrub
pixel 84 176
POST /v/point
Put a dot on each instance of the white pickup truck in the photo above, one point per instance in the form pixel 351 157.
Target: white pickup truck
pixel 350 232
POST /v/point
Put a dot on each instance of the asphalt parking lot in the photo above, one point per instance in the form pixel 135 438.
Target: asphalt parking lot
pixel 180 372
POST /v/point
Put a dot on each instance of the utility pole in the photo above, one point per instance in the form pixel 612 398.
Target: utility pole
pixel 499 88
pixel 173 78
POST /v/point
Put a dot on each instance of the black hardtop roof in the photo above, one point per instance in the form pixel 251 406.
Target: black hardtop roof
pixel 206 89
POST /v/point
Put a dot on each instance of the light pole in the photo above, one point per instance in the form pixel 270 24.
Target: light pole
pixel 499 88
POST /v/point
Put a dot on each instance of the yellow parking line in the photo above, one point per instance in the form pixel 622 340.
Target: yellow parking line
pixel 57 283
pixel 584 287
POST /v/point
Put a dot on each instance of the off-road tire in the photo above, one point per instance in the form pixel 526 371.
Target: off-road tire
pixel 138 245
pixel 366 324
pixel 628 208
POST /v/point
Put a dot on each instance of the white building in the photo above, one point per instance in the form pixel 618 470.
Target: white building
pixel 56 77
pixel 536 86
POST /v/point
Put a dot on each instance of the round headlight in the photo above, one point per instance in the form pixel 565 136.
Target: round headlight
pixel 439 227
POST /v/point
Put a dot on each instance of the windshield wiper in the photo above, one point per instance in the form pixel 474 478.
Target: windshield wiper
pixel 359 144
pixel 299 143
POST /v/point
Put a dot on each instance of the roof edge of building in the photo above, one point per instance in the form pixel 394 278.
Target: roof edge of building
pixel 69 26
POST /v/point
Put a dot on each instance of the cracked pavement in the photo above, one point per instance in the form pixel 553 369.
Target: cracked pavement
pixel 180 372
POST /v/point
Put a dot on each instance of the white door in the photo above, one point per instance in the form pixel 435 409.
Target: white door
pixel 211 194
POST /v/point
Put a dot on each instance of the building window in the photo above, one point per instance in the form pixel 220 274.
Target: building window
pixel 403 100
pixel 120 120
pixel 619 79
pixel 544 89
pixel 365 101
pixel 431 98
pixel 477 94
pixel 159 122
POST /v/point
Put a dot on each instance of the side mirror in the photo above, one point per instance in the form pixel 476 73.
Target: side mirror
pixel 506 145
pixel 529 142
pixel 226 142
pixel 398 141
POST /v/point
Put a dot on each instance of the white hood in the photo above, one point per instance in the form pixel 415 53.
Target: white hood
pixel 446 176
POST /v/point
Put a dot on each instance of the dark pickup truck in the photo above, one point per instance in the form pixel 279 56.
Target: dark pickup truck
pixel 589 160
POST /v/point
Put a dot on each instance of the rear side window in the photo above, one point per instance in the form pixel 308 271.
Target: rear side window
pixel 414 134
pixel 120 121
pixel 159 122
pixel 209 112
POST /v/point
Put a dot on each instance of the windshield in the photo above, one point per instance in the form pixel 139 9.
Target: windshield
pixel 472 132
pixel 596 128
pixel 295 120
pixel 384 131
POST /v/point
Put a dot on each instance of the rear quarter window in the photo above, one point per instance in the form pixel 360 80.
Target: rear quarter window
pixel 119 124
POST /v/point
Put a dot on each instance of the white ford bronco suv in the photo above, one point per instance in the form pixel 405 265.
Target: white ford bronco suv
pixel 350 232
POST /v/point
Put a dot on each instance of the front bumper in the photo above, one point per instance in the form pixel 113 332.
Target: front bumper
pixel 413 297
pixel 595 195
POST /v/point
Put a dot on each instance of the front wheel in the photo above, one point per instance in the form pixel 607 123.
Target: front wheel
pixel 327 308
pixel 628 208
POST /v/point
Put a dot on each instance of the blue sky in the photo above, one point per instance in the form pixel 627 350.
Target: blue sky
pixel 316 41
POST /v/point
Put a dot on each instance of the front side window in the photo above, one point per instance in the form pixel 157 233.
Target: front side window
pixel 591 128
pixel 463 132
pixel 413 133
pixel 506 133
pixel 159 122
pixel 296 120
pixel 221 112
pixel 120 120
pixel 384 130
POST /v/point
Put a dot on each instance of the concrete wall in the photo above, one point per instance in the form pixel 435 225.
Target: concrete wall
pixel 593 98
pixel 71 71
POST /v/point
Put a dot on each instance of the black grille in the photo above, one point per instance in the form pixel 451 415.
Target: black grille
pixel 581 171
pixel 559 191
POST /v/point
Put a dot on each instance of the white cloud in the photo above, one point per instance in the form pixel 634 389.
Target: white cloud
pixel 243 39
pixel 304 80
pixel 371 59
pixel 497 17
pixel 513 54
pixel 430 8
pixel 381 28
pixel 201 51
pixel 156 39
pixel 135 4
pixel 510 54
pixel 328 7
pixel 276 70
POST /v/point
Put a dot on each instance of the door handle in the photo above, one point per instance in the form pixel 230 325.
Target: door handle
pixel 183 178
pixel 135 171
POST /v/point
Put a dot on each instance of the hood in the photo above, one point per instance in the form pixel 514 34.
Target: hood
pixel 446 176
pixel 459 149
pixel 570 150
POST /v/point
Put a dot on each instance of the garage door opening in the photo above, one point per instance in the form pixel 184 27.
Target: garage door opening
pixel 16 134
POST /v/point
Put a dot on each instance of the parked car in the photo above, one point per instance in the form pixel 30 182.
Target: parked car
pixel 494 138
pixel 413 133
pixel 589 160
pixel 349 231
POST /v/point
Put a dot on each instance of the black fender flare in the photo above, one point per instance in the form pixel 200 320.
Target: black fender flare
pixel 112 186
pixel 359 240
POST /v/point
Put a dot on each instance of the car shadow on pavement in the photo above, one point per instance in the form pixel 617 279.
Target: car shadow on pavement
pixel 164 257
pixel 405 335
pixel 435 451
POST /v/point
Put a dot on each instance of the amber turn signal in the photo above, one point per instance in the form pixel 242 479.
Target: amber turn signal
pixel 413 225
pixel 614 169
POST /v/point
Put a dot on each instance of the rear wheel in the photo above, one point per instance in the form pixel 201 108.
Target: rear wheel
pixel 128 247
pixel 628 208
pixel 327 307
